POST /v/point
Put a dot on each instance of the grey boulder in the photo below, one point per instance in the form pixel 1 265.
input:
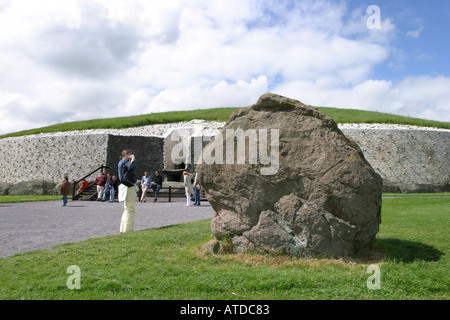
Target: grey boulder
pixel 322 198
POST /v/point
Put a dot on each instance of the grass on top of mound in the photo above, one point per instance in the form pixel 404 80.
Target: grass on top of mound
pixel 222 114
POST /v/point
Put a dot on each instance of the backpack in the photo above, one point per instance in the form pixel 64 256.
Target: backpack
pixel 126 176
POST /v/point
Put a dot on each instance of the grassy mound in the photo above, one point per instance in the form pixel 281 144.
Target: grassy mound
pixel 222 114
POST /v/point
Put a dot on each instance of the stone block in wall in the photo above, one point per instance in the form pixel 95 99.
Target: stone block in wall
pixel 177 149
pixel 390 188
pixel 415 188
pixel 4 188
pixel 424 188
pixel 36 187
pixel 147 150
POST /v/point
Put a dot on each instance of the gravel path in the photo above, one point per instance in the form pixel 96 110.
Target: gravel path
pixel 40 225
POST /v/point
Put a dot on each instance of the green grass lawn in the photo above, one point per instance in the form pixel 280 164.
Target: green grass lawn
pixel 24 198
pixel 222 114
pixel 412 252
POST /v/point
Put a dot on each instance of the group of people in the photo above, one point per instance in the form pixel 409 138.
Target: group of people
pixel 107 186
pixel 125 186
pixel 155 184
pixel 191 188
pixel 128 179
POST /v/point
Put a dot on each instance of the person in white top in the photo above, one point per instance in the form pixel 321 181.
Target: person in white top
pixel 188 188
pixel 146 181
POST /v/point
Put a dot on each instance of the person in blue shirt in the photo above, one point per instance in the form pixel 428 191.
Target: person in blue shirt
pixel 107 186
pixel 128 162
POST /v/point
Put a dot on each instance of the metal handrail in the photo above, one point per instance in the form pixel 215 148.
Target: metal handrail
pixel 94 171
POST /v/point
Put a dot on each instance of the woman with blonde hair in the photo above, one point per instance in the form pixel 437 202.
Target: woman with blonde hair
pixel 188 188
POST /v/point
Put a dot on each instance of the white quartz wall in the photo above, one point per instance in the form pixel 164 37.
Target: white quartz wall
pixel 402 155
pixel 50 157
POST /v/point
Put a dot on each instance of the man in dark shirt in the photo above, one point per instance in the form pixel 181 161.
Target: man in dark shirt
pixel 157 184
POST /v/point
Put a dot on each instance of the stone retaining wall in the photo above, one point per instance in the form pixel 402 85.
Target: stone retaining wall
pixel 409 160
pixel 50 157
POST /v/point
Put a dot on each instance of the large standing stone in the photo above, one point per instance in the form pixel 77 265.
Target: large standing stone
pixel 324 199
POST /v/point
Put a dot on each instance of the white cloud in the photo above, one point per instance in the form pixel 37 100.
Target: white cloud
pixel 422 96
pixel 222 94
pixel 415 33
pixel 75 60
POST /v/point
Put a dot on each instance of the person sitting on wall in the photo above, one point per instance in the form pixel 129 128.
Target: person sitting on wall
pixel 107 186
pixel 113 188
pixel 84 185
pixel 100 181
pixel 145 183
pixel 157 184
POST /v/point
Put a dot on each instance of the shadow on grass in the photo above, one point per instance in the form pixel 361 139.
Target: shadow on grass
pixel 408 251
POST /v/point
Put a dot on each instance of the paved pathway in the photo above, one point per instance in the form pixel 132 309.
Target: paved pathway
pixel 39 225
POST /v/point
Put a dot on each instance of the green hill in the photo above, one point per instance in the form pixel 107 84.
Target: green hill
pixel 222 114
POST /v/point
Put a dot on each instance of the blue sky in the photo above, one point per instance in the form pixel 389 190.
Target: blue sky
pixel 78 59
pixel 420 38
